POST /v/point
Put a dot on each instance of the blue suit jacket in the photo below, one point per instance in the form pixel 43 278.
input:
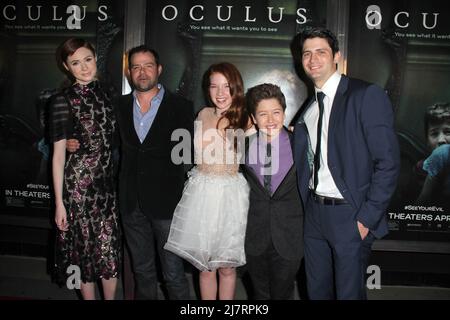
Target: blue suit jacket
pixel 363 152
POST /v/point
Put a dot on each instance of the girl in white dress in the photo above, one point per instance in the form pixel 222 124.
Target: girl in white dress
pixel 208 226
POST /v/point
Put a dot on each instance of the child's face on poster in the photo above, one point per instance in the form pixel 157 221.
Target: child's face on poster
pixel 438 135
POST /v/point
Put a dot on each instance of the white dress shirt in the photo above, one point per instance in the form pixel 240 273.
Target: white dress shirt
pixel 326 186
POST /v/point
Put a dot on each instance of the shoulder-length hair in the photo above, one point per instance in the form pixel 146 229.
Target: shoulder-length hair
pixel 236 115
pixel 68 48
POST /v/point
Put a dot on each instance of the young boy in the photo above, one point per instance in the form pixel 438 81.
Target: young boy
pixel 437 125
pixel 274 235
pixel 436 168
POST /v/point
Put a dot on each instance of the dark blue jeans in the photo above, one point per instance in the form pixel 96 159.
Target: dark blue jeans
pixel 146 236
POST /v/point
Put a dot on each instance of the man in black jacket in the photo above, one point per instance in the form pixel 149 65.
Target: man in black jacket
pixel 150 182
pixel 274 236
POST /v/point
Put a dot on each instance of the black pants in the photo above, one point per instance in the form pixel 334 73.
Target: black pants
pixel 143 235
pixel 272 276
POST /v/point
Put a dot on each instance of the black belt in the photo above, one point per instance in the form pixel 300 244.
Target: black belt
pixel 328 201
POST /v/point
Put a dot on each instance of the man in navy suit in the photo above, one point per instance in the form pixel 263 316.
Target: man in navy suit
pixel 347 159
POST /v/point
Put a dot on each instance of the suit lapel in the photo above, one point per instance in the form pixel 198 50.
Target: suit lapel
pixel 289 172
pixel 249 170
pixel 337 112
pixel 337 109
pixel 252 174
pixel 308 105
pixel 286 176
pixel 127 116
pixel 291 140
pixel 302 141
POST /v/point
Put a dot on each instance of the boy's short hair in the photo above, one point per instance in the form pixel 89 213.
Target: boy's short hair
pixel 437 114
pixel 262 92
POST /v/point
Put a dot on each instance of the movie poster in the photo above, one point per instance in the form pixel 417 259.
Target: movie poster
pixel 253 35
pixel 30 32
pixel 404 47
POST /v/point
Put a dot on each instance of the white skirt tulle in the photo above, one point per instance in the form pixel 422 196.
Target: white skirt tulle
pixel 208 226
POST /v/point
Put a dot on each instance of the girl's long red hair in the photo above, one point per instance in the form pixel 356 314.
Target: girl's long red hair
pixel 237 114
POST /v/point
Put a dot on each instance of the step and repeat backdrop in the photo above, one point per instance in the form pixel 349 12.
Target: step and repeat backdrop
pixel 403 46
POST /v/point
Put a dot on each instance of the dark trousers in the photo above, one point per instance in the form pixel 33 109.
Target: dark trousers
pixel 143 235
pixel 336 257
pixel 271 275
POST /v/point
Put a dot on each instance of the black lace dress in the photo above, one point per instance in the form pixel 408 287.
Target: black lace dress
pixel 92 242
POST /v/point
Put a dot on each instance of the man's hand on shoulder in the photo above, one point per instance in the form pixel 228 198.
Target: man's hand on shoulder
pixel 72 145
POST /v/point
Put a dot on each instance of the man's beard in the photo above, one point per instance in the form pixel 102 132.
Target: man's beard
pixel 143 88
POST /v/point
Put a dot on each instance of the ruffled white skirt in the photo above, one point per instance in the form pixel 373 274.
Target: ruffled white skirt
pixel 208 226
